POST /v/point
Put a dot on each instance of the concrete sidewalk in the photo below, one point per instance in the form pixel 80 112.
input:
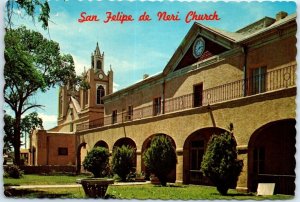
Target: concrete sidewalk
pixel 73 185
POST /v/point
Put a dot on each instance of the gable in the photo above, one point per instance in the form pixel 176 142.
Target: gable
pixel 211 49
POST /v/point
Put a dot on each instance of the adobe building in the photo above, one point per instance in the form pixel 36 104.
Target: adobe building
pixel 214 78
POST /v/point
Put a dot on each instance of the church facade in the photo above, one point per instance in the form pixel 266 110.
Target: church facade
pixel 213 79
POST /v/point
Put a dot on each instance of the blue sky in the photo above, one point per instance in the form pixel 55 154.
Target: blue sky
pixel 134 48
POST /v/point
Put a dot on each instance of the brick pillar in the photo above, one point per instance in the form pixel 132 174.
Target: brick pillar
pixel 242 183
pixel 179 166
pixel 138 161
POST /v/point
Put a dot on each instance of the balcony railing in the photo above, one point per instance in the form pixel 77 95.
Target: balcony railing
pixel 269 81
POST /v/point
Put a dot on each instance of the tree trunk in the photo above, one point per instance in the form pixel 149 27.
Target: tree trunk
pixel 17 139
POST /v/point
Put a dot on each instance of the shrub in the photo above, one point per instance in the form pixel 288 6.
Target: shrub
pixel 12 171
pixel 97 161
pixel 160 158
pixel 122 161
pixel 220 163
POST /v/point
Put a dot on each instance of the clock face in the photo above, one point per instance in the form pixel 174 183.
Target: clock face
pixel 198 47
pixel 100 76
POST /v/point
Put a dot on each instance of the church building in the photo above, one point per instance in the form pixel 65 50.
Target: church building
pixel 214 78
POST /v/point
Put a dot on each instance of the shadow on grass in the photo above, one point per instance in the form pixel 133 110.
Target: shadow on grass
pixel 171 185
pixel 234 194
pixel 240 194
pixel 29 193
pixel 110 196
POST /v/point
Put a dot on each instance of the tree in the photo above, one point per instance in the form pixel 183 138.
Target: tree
pixel 28 123
pixel 96 161
pixel 220 163
pixel 160 158
pixel 32 7
pixel 9 132
pixel 122 161
pixel 33 64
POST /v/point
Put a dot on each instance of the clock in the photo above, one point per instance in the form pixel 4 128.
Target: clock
pixel 198 47
pixel 100 76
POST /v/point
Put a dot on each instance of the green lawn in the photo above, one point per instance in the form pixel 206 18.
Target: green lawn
pixel 148 191
pixel 43 180
pixel 180 192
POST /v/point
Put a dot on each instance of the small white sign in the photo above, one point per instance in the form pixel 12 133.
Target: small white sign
pixel 265 189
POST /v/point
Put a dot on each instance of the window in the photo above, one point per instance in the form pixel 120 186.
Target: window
pixel 60 105
pixel 258 80
pixel 100 94
pixel 99 64
pixel 129 113
pixel 85 97
pixel 114 116
pixel 71 127
pixel 62 151
pixel 198 92
pixel 197 152
pixel 156 106
pixel 196 155
pixel 259 160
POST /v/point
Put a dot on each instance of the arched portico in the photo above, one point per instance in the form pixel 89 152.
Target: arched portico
pixel 193 151
pixel 271 158
pixel 127 142
pixel 101 143
pixel 146 145
pixel 81 153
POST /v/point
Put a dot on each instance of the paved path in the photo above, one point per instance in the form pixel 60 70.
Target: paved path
pixel 73 185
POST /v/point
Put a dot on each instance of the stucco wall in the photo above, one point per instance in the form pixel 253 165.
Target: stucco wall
pixel 247 114
pixel 48 144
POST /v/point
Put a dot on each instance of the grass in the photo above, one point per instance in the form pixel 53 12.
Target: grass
pixel 43 180
pixel 180 192
pixel 148 191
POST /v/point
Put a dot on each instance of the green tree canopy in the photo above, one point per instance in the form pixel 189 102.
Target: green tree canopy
pixel 123 161
pixel 160 158
pixel 96 161
pixel 31 7
pixel 220 163
pixel 28 123
pixel 33 64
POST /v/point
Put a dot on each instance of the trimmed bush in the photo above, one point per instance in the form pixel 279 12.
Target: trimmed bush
pixel 220 163
pixel 122 161
pixel 97 161
pixel 12 171
pixel 160 158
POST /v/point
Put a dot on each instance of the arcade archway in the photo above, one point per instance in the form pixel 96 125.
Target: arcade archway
pixel 193 151
pixel 81 153
pixel 101 143
pixel 127 142
pixel 172 176
pixel 271 158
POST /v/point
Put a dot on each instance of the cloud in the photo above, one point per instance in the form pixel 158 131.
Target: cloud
pixel 80 64
pixel 48 118
pixel 115 87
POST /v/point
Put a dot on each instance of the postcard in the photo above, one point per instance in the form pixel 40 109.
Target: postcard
pixel 177 100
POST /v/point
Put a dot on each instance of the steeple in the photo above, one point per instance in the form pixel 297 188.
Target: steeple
pixel 97 59
pixel 97 50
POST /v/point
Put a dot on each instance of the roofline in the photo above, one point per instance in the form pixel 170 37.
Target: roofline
pixel 214 31
pixel 269 28
pixel 133 86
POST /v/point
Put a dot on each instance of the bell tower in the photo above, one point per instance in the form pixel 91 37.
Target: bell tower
pixel 97 59
pixel 100 82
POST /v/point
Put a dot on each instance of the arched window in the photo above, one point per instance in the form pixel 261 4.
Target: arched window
pixel 99 64
pixel 85 97
pixel 60 105
pixel 100 94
